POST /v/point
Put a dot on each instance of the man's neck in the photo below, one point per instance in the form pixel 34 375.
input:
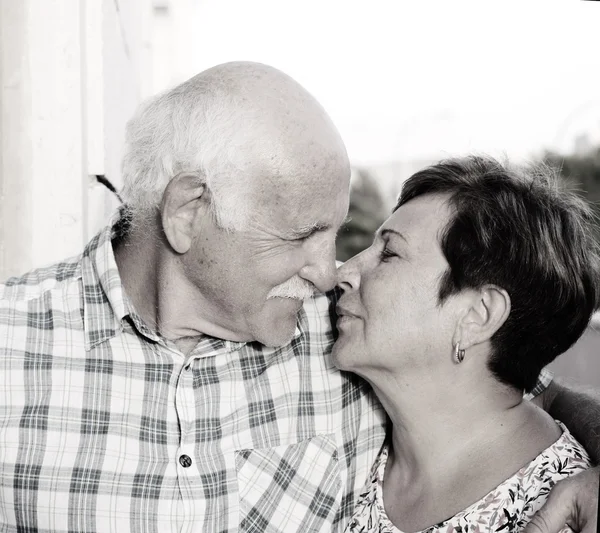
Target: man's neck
pixel 452 444
pixel 163 297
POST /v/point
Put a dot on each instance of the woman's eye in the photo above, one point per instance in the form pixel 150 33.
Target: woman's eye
pixel 386 254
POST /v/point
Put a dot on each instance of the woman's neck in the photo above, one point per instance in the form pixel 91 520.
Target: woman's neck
pixel 451 445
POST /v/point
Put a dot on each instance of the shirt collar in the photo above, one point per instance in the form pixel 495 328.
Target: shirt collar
pixel 104 302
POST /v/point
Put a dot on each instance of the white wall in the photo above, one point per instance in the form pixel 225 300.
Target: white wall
pixel 42 167
pixel 72 73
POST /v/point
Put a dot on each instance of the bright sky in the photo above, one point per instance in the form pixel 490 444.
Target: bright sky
pixel 412 79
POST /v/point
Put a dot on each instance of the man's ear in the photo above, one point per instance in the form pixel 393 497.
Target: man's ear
pixel 488 309
pixel 181 204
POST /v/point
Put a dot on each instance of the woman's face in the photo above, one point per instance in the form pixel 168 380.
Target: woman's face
pixel 389 317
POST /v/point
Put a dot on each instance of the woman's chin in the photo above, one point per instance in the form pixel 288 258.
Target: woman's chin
pixel 340 353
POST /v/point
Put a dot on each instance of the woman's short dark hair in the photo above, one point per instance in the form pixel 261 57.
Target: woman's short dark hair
pixel 519 229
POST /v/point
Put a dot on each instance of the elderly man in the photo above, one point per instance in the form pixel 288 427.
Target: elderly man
pixel 176 376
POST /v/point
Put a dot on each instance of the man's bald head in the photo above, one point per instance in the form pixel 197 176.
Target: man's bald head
pixel 243 128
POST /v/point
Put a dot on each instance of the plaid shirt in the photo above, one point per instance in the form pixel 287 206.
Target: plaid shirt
pixel 106 426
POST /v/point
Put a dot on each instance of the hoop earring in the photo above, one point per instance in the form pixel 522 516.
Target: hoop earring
pixel 459 355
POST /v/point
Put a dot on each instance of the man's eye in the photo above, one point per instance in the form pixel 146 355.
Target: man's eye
pixel 386 254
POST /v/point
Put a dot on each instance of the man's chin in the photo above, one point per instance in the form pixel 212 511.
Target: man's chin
pixel 288 303
pixel 277 330
pixel 278 338
pixel 275 324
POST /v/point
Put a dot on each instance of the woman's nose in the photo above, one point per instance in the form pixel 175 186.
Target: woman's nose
pixel 348 275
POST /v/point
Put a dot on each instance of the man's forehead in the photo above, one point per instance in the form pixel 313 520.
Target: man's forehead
pixel 298 185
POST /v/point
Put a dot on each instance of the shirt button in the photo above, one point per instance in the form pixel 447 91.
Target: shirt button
pixel 185 461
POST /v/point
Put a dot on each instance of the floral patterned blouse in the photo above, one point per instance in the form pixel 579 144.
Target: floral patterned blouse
pixel 507 508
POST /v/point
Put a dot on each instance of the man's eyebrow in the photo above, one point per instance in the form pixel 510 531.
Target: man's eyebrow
pixel 388 232
pixel 308 230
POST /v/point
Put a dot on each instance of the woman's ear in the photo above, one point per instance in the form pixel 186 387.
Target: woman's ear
pixel 180 206
pixel 488 309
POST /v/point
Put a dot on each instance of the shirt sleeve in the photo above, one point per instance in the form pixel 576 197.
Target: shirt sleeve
pixel 545 378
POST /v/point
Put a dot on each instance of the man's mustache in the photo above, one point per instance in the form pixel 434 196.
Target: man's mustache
pixel 295 287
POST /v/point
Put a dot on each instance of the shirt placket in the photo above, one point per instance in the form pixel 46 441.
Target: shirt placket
pixel 188 474
pixel 201 469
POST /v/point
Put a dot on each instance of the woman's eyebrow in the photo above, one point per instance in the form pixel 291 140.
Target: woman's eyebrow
pixel 390 232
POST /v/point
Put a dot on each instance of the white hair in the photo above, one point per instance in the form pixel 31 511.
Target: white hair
pixel 190 128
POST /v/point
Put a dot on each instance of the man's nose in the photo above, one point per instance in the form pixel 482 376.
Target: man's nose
pixel 320 268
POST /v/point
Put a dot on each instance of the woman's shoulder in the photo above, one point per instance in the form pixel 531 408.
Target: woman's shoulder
pixel 508 507
pixel 565 457
pixel 514 502
pixel 562 459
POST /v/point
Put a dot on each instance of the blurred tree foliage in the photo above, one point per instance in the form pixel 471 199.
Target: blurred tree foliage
pixel 366 213
pixel 582 173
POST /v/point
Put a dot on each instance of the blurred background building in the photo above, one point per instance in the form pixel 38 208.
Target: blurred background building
pixel 407 83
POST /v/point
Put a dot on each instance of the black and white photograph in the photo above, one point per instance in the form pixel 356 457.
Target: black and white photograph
pixel 270 266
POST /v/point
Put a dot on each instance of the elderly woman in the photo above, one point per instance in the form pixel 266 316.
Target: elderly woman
pixel 480 277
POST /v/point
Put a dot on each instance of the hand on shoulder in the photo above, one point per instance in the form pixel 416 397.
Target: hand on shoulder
pixel 574 502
